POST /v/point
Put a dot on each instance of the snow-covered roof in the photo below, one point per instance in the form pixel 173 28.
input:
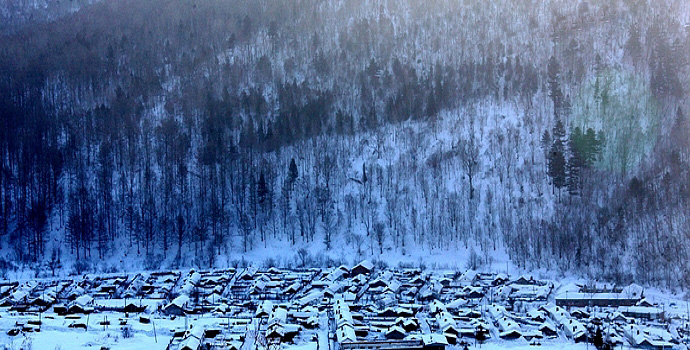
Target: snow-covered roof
pixel 446 321
pixel 345 334
pixel 633 291
pixel 310 298
pixel 506 324
pixel 573 328
pixel 395 329
pixel 434 339
pixel 278 315
pixel 84 300
pixel 648 310
pixel 180 301
pixel 336 274
pixel 366 264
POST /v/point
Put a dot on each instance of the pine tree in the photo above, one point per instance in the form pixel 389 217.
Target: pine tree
pixel 292 172
pixel 559 131
pixel 574 174
pixel 554 76
pixel 546 144
pixel 262 190
pixel 546 140
pixel 557 165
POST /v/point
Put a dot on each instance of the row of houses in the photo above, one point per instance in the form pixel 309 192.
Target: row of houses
pixel 368 308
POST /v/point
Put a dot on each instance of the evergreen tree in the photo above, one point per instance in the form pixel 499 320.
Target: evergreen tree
pixel 292 172
pixel 262 190
pixel 559 131
pixel 554 76
pixel 556 161
pixel 557 165
pixel 546 140
pixel 574 173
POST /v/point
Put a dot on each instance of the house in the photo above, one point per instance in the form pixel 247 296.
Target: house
pixel 193 339
pixel 7 287
pixel 575 330
pixel 84 300
pixel 525 280
pixel 387 312
pixel 212 299
pixel 548 329
pixel 508 328
pixel 473 292
pixel 470 277
pixel 641 339
pixel 310 299
pixel 275 331
pixel 43 301
pixel 447 325
pixel 644 302
pixel 346 334
pixel 337 274
pixel 389 344
pixel 292 289
pixel 642 312
pixel 407 323
pixel 132 307
pixel 579 314
pixel 363 268
pixel 536 315
pixel 468 313
pixel 311 322
pixel 20 296
pixel 596 299
pixel 650 344
pixel 618 317
pixel 264 309
pixel 395 332
pixel 178 306
pixel 633 291
pixel 499 279
pixel 434 341
pixel 529 335
pixel 81 305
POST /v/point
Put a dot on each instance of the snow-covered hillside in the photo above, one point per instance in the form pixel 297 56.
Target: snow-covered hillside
pixel 177 133
pixel 16 14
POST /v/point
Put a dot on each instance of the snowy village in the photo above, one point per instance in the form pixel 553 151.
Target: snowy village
pixel 342 308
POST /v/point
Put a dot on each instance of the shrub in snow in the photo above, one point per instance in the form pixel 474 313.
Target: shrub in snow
pixel 474 261
pixel 303 257
pixel 126 331
pixel 81 266
pixel 380 264
pixel 153 262
pixel 270 262
pixel 5 266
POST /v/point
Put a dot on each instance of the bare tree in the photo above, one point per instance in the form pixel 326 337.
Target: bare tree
pixel 468 151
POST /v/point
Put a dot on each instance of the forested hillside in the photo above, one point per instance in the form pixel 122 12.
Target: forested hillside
pixel 17 14
pixel 180 131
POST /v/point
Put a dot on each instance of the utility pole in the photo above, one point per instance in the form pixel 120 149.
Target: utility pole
pixel 154 330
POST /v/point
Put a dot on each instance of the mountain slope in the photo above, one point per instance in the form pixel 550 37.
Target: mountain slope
pixel 193 132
